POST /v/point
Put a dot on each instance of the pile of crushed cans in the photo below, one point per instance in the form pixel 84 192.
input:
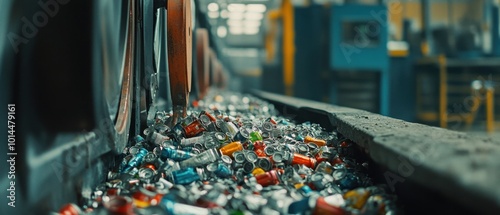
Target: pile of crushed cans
pixel 232 154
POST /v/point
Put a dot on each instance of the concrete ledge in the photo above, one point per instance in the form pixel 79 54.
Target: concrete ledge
pixel 463 168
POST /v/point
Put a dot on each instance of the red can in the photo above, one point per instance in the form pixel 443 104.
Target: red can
pixel 193 129
pixel 212 118
pixel 322 207
pixel 260 153
pixel 337 160
pixel 280 171
pixel 150 166
pixel 141 200
pixel 70 209
pixel 258 148
pixel 304 160
pixel 345 144
pixel 119 205
pixel 271 120
pixel 205 203
pixel 259 145
pixel 158 195
pixel 113 191
pixel 268 178
pixel 320 158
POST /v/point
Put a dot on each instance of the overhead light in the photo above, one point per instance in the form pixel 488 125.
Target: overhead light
pixel 236 7
pixel 259 8
pixel 224 14
pixel 236 15
pixel 213 7
pixel 251 31
pixel 234 22
pixel 213 14
pixel 254 16
pixel 252 23
pixel 221 31
pixel 236 30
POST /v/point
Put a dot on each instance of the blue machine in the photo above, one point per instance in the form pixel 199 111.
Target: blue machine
pixel 495 28
pixel 359 36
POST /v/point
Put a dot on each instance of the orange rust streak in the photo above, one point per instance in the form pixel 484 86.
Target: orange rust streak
pixel 123 113
pixel 179 54
pixel 202 55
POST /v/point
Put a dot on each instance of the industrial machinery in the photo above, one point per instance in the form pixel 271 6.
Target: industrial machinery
pixel 83 75
pixel 359 35
pixel 81 81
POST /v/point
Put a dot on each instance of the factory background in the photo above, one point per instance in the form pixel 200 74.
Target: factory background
pixel 432 62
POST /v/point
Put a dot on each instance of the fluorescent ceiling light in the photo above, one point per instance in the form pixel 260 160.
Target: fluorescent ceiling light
pixel 252 23
pixel 251 31
pixel 213 7
pixel 213 14
pixel 254 16
pixel 221 31
pixel 236 7
pixel 236 15
pixel 224 14
pixel 259 8
pixel 235 30
pixel 234 22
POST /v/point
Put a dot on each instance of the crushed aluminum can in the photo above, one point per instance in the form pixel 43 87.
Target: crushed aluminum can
pixel 264 163
pixel 201 159
pixel 235 156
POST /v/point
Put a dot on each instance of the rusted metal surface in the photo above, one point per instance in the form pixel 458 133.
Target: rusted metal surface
pixel 123 118
pixel 213 67
pixel 179 40
pixel 222 75
pixel 218 73
pixel 225 77
pixel 203 58
pixel 216 67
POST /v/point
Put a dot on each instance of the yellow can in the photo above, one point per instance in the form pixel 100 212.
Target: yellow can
pixel 299 185
pixel 357 197
pixel 258 171
pixel 230 148
pixel 319 142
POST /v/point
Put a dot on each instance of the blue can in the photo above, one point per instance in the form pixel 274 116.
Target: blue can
pixel 223 171
pixel 242 135
pixel 139 139
pixel 299 207
pixel 124 162
pixel 306 190
pixel 176 155
pixel 185 176
pixel 350 181
pixel 299 138
pixel 135 161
